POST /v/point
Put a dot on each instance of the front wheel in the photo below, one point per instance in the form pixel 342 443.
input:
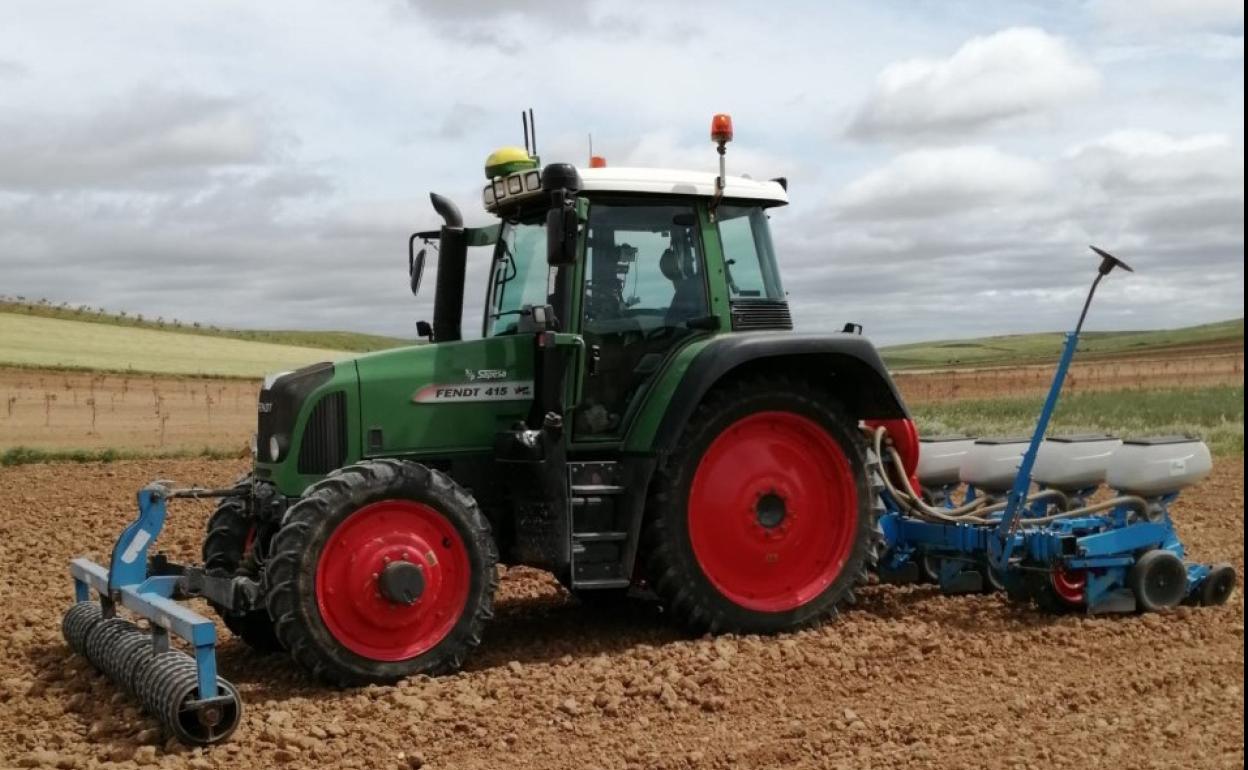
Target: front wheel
pixel 382 570
pixel 232 548
pixel 761 520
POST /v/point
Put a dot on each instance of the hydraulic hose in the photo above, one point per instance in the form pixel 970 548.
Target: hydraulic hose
pixel 973 512
pixel 970 513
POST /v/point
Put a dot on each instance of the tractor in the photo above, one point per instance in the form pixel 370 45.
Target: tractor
pixel 636 413
pixel 635 409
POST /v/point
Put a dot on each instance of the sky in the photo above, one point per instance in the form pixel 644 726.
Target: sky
pixel 260 165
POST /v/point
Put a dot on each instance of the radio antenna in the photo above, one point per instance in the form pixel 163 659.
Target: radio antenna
pixel 591 144
pixel 524 118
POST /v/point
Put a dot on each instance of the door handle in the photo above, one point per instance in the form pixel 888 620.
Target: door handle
pixel 595 357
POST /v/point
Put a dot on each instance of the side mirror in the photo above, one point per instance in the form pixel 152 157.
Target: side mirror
pixel 415 267
pixel 561 226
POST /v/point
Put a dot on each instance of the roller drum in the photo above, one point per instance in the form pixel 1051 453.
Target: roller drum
pixel 124 654
pixel 169 683
pixel 77 624
pixel 150 671
pixel 132 662
pixel 101 639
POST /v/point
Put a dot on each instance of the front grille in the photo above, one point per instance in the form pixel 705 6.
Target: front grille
pixel 324 445
pixel 280 403
pixel 755 314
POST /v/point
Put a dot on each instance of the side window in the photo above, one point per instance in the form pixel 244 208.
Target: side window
pixel 643 282
pixel 748 255
pixel 644 268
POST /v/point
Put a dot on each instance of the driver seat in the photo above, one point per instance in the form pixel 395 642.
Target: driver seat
pixel 689 301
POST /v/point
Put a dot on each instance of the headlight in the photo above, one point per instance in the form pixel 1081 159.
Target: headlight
pixel 275 449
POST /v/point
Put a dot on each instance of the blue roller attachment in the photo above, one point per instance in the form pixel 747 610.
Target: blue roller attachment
pixel 182 691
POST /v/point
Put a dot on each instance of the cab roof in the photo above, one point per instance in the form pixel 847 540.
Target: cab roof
pixel 679 182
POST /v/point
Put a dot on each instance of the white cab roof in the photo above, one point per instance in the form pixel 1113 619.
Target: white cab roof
pixel 678 182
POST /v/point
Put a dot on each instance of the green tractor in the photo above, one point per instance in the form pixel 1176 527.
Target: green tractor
pixel 636 414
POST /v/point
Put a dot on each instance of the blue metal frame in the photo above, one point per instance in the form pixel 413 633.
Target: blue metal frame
pixel 126 582
pixel 1103 545
pixel 1017 499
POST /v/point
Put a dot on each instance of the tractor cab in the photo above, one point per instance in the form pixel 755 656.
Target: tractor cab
pixel 657 261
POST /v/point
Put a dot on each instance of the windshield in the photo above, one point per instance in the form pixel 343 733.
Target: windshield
pixel 519 277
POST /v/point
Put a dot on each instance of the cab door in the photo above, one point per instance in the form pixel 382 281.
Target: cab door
pixel 644 296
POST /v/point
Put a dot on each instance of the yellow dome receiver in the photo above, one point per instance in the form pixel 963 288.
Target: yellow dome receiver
pixel 507 160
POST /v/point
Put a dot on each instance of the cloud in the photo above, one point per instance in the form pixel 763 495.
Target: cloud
pixel 1003 76
pixel 939 240
pixel 12 70
pixel 1144 161
pixel 224 168
pixel 459 119
pixel 459 11
pixel 142 137
pixel 1171 16
pixel 934 182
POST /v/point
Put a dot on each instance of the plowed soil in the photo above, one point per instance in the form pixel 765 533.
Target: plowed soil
pixel 908 678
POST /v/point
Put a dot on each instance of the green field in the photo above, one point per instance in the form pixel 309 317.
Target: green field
pixel 1025 348
pixel 36 341
pixel 330 340
pixel 1214 414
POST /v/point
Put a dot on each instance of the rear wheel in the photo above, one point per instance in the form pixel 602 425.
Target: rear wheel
pixel 232 548
pixel 1057 590
pixel 761 520
pixel 1159 580
pixel 382 570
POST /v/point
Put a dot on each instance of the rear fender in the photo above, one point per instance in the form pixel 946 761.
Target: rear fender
pixel 847 363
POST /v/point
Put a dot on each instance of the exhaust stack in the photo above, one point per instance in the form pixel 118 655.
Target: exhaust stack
pixel 448 296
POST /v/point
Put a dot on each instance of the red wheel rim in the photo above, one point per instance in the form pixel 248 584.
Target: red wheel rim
pixel 773 510
pixel 348 591
pixel 249 542
pixel 1069 584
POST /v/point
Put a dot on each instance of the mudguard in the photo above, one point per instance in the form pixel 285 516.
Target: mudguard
pixel 864 384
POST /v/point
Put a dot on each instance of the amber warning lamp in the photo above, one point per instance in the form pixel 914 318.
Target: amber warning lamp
pixel 721 135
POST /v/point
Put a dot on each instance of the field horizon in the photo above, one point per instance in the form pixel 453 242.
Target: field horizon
pixel 123 343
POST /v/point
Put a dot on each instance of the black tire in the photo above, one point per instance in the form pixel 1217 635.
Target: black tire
pixel 290 574
pixel 672 568
pixel 1218 586
pixel 1039 586
pixel 229 550
pixel 1159 580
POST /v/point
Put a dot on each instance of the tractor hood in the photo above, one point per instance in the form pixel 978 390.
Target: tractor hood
pixel 445 398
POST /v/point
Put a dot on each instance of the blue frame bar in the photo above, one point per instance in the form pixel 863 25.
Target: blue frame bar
pixel 127 583
pixel 1017 498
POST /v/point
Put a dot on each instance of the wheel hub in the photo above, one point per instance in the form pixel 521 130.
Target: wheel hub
pixel 402 582
pixel 770 510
